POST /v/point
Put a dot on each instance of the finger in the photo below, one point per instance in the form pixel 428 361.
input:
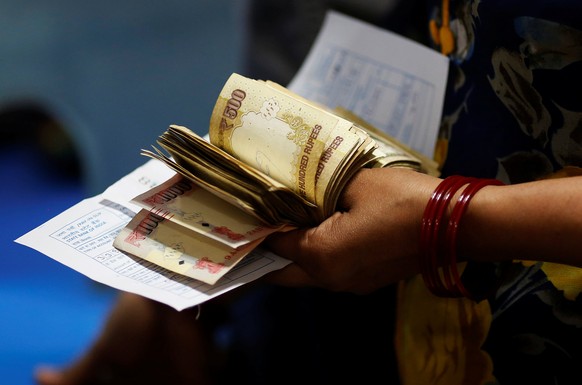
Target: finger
pixel 89 369
pixel 46 375
pixel 351 190
pixel 291 276
pixel 286 244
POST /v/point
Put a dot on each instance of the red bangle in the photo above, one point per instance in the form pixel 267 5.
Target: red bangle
pixel 438 263
pixel 450 251
pixel 430 231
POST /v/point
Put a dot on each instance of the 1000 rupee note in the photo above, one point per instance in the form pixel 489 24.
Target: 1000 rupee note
pixel 174 247
pixel 182 201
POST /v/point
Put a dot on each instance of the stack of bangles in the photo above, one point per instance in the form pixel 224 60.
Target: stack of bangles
pixel 438 243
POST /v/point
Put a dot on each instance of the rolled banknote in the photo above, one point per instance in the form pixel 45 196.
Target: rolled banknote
pixel 274 132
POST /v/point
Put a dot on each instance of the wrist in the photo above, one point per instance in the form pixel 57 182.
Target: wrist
pixel 481 229
pixel 442 220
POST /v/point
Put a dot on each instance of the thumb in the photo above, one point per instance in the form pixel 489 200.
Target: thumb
pixel 290 245
pixel 309 247
pixel 291 276
pixel 287 244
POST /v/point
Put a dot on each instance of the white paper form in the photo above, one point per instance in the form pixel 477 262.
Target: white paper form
pixel 393 83
pixel 82 237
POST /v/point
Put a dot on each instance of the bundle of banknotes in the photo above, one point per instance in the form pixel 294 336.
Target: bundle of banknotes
pixel 274 161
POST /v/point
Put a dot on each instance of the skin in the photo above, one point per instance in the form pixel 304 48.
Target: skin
pixel 371 242
pixel 143 342
pixel 374 241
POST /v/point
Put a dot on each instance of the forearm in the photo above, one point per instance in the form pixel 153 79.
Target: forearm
pixel 533 221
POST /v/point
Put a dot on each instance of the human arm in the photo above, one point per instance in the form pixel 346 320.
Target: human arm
pixel 539 221
pixel 374 239
pixel 143 342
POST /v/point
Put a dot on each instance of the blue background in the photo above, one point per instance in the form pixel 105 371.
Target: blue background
pixel 114 75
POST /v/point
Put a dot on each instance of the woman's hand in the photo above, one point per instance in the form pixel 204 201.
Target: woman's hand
pixel 372 241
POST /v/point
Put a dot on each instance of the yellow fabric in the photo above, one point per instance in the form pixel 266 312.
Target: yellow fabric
pixel 438 340
pixel 567 279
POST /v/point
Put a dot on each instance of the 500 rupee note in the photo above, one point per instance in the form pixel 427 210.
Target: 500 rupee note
pixel 270 130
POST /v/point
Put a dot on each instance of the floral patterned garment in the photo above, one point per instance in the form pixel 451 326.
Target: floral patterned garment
pixel 513 111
